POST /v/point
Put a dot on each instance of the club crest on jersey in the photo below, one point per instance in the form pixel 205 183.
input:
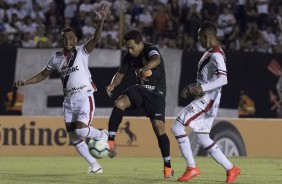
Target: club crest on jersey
pixel 68 71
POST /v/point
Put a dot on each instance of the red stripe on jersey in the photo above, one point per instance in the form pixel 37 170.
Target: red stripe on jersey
pixel 193 117
pixel 91 110
pixel 209 106
pixel 199 113
pixel 218 49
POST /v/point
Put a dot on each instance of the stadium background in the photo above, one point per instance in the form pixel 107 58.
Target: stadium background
pixel 257 73
pixel 253 62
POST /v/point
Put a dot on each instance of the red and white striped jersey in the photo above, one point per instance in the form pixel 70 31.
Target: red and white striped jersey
pixel 74 72
pixel 211 76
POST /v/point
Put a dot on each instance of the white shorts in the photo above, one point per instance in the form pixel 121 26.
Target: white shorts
pixel 196 118
pixel 79 110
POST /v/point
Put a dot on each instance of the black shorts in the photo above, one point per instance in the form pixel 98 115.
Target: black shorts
pixel 153 103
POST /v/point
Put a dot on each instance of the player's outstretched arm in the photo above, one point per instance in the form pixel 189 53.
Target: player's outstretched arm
pixel 153 62
pixel 118 77
pixel 101 14
pixel 35 79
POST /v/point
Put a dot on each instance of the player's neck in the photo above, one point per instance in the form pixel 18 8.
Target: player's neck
pixel 213 43
pixel 67 52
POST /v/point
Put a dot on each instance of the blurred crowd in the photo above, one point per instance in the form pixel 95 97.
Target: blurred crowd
pixel 243 25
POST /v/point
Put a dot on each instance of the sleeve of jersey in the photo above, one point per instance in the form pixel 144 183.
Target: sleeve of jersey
pixel 153 52
pixel 50 63
pixel 220 72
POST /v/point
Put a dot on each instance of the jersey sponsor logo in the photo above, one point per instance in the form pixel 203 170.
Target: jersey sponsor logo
pixel 68 71
pixel 74 89
pixel 149 87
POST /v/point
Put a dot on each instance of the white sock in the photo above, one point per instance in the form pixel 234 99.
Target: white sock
pixel 178 131
pixel 88 132
pixel 219 157
pixel 185 147
pixel 112 134
pixel 83 150
pixel 205 141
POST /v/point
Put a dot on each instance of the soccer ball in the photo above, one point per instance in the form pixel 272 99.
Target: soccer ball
pixel 98 148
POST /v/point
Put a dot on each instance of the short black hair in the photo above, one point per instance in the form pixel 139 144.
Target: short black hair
pixel 133 35
pixel 68 29
pixel 209 27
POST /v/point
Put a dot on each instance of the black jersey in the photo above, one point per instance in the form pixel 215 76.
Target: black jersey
pixel 156 82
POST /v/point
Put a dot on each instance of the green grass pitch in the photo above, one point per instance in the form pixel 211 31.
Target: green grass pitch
pixel 121 170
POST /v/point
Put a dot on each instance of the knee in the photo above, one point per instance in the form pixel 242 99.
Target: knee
pixel 204 140
pixel 82 132
pixel 177 129
pixel 159 127
pixel 121 104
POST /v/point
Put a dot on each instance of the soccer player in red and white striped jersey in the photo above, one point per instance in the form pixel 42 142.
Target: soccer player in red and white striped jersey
pixel 78 88
pixel 200 113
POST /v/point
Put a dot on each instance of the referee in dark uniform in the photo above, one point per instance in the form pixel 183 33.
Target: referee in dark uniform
pixel 149 93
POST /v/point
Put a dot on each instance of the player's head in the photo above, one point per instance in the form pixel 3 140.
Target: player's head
pixel 68 38
pixel 133 42
pixel 207 34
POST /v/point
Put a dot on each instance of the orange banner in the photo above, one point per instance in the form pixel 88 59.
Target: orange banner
pixel 32 135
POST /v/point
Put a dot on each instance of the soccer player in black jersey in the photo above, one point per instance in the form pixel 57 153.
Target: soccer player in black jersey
pixel 149 92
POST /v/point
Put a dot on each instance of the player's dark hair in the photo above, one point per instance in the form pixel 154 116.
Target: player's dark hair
pixel 209 27
pixel 68 29
pixel 133 35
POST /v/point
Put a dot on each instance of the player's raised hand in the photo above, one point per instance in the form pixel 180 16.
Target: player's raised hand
pixel 109 90
pixel 18 83
pixel 103 13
